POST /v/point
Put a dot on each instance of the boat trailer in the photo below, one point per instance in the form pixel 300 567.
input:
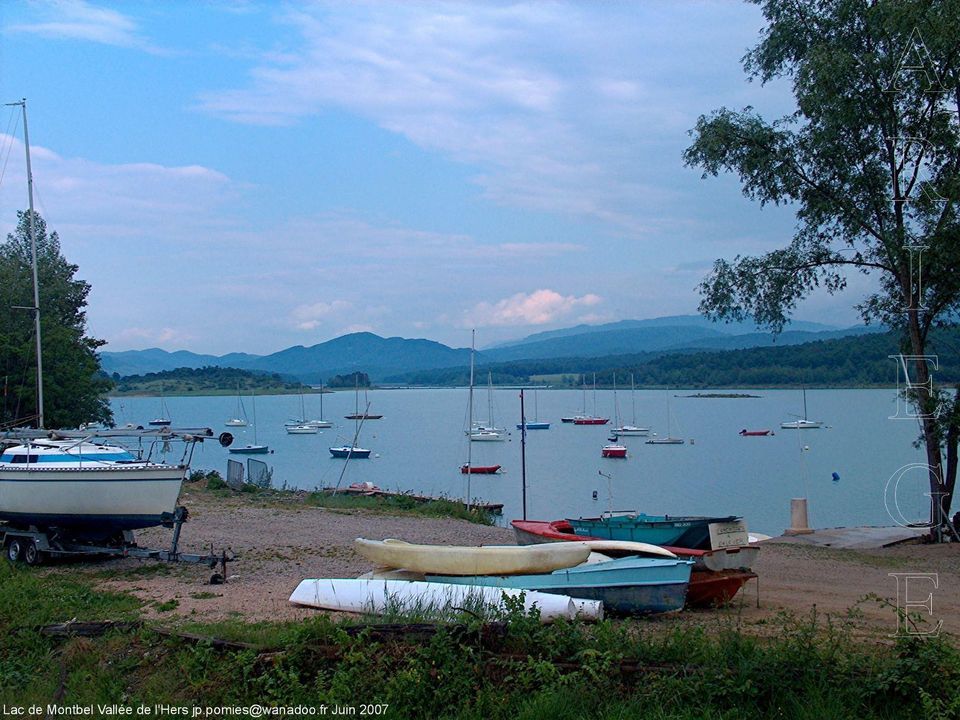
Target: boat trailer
pixel 33 546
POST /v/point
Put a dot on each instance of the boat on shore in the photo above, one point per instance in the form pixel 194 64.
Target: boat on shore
pixel 377 595
pixel 716 578
pixel 76 481
pixel 691 531
pixel 462 560
pixel 630 585
pixel 730 558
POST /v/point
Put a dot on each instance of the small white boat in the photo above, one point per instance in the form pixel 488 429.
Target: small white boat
pixel 631 431
pixel 375 595
pixel 803 423
pixel 349 451
pixel 304 429
pixel 485 560
pixel 665 441
pixel 240 417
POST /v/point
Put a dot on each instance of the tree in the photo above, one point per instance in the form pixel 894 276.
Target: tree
pixel 871 161
pixel 73 385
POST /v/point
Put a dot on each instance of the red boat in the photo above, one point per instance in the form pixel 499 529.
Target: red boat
pixel 717 576
pixel 755 433
pixel 479 469
pixel 530 532
pixel 590 421
pixel 614 451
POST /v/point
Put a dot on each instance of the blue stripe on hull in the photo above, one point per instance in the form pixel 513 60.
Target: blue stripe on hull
pixel 98 524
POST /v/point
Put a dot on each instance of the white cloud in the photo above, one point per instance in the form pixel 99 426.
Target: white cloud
pixel 310 317
pixel 79 20
pixel 559 107
pixel 537 308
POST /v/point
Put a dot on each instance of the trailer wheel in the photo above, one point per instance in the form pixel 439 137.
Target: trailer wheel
pixel 14 550
pixel 32 554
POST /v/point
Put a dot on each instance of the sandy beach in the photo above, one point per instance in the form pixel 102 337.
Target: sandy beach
pixel 284 541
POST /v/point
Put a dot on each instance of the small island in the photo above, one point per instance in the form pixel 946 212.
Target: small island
pixel 207 381
pixel 720 395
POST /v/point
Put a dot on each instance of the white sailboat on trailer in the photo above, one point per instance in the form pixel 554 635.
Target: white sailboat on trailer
pixel 66 481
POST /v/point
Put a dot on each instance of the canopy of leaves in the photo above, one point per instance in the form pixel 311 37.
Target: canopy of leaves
pixel 73 385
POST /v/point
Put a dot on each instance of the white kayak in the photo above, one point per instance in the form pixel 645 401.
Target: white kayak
pixel 363 595
pixel 485 560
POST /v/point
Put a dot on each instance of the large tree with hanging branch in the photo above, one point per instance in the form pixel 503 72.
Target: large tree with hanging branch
pixel 870 159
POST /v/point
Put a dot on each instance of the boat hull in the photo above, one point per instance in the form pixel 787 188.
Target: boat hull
pixel 629 585
pixel 733 558
pixel 108 500
pixel 479 469
pixel 534 426
pixel 487 560
pixel 347 452
pixel 591 421
pixel 614 451
pixel 691 532
pixel 377 595
pixel 250 450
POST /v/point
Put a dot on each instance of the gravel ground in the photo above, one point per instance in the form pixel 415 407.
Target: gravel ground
pixel 280 545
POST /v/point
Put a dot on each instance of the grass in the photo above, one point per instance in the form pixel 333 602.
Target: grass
pixel 400 505
pixel 805 667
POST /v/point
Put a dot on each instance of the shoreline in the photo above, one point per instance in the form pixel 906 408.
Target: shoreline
pixel 280 541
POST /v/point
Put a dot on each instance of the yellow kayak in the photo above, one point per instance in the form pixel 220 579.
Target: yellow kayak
pixel 485 560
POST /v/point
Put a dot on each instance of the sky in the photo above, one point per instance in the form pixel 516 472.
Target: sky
pixel 235 176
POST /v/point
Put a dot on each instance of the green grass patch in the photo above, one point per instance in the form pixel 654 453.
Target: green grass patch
pixel 802 667
pixel 400 505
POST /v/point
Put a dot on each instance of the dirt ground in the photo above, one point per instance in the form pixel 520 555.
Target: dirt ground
pixel 281 544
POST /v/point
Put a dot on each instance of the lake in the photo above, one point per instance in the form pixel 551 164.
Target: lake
pixel 420 444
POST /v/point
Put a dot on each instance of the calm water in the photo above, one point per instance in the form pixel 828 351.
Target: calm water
pixel 419 445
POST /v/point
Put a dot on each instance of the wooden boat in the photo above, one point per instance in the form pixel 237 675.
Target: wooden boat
pixel 364 595
pixel 718 575
pixel 630 585
pixel 614 451
pixel 678 531
pixel 732 558
pixel 486 560
pixel 755 433
pixel 479 469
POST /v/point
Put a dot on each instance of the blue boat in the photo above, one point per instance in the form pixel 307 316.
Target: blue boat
pixel 631 585
pixel 534 425
pixel 678 531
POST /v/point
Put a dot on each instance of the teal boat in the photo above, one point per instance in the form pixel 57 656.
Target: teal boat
pixel 678 531
pixel 631 585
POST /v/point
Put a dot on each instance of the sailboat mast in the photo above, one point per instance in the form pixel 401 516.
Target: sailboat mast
pixel 473 334
pixel 33 255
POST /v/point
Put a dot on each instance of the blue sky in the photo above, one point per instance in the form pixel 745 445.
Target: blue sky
pixel 245 176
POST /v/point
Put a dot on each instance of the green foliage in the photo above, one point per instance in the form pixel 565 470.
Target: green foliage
pixel 401 505
pixel 353 380
pixel 73 385
pixel 805 667
pixel 209 380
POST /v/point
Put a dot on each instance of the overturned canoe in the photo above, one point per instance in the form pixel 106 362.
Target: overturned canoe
pixel 486 560
pixel 376 595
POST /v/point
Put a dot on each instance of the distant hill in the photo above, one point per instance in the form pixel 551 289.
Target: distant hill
pixel 860 360
pixel 688 322
pixel 365 352
pixel 383 358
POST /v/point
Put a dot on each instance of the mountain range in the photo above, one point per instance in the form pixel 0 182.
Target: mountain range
pixel 382 357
